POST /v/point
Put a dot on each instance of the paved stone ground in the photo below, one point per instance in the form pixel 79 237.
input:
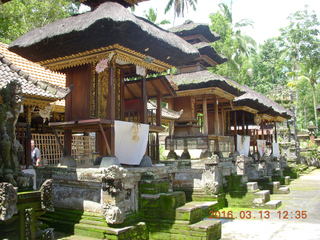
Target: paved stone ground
pixel 304 196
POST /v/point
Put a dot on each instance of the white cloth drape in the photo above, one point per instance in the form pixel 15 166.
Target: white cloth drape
pixel 243 145
pixel 262 146
pixel 131 141
pixel 275 149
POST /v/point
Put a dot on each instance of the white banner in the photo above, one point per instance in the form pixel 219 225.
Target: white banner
pixel 243 145
pixel 131 141
pixel 275 149
pixel 262 147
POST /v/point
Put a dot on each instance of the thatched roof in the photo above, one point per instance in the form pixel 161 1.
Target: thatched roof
pixel 95 3
pixel 206 49
pixel 245 96
pixel 30 87
pixel 108 24
pixel 190 28
pixel 204 79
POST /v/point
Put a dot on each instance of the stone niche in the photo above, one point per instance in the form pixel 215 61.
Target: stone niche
pixel 111 192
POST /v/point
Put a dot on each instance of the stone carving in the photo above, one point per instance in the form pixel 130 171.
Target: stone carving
pixel 47 234
pixel 10 148
pixel 8 201
pixel 112 182
pixel 27 223
pixel 211 188
pixel 47 195
pixel 113 214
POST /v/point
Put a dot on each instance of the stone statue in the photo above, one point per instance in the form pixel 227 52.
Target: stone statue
pixel 113 214
pixel 47 195
pixel 10 148
pixel 8 201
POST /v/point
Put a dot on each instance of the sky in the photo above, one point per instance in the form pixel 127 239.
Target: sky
pixel 268 15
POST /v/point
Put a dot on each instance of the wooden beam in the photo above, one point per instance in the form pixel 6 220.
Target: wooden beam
pixel 216 117
pixel 159 110
pixel 144 97
pixel 205 116
pixel 105 139
pixel 130 91
pixel 111 113
pixel 275 132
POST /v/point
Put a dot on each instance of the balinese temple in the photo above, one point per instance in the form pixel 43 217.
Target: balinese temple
pixel 45 139
pixel 216 109
pixel 36 96
pixel 107 73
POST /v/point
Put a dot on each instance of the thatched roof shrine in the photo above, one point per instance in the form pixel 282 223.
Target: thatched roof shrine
pixel 109 24
pixel 190 28
pixel 244 96
pixel 206 49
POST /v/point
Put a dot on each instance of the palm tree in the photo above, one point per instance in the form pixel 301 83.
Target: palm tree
pixel 180 6
pixel 245 45
pixel 152 16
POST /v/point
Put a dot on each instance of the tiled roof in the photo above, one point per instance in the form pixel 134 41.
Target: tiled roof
pixel 30 87
pixel 36 71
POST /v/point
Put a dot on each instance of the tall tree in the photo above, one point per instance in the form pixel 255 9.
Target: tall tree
pixel 20 16
pixel 301 43
pixel 152 16
pixel 180 6
pixel 235 45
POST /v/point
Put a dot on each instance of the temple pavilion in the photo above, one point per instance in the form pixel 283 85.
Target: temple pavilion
pixel 110 74
pixel 216 108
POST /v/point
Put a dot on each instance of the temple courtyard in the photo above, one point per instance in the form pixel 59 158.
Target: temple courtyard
pixel 304 196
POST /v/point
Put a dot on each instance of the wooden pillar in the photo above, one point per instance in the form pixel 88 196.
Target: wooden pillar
pixel 67 142
pixel 159 110
pixel 28 137
pixel 122 87
pixel 216 117
pixel 235 130
pixel 275 132
pixel 243 122
pixel 205 116
pixel 262 130
pixel 111 113
pixel 223 122
pixel 144 97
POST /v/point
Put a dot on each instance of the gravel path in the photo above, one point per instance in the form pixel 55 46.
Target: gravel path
pixel 304 196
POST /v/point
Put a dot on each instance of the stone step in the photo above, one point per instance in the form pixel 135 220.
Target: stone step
pixel 195 211
pixel 162 205
pixel 92 230
pixel 273 204
pixel 182 230
pixel 287 180
pixel 252 186
pixel 261 197
pixel 153 186
pixel 211 227
pixel 282 190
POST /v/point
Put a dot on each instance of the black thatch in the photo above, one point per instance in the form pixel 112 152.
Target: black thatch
pixel 260 102
pixel 206 49
pixel 191 28
pixel 9 72
pixel 245 95
pixel 109 24
pixel 204 79
pixel 95 3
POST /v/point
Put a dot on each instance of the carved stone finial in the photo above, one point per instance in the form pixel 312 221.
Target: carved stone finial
pixel 8 201
pixel 47 195
pixel 113 214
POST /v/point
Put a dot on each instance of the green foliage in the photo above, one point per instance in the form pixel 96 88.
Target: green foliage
pixel 236 46
pixel 20 16
pixel 152 16
pixel 180 6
